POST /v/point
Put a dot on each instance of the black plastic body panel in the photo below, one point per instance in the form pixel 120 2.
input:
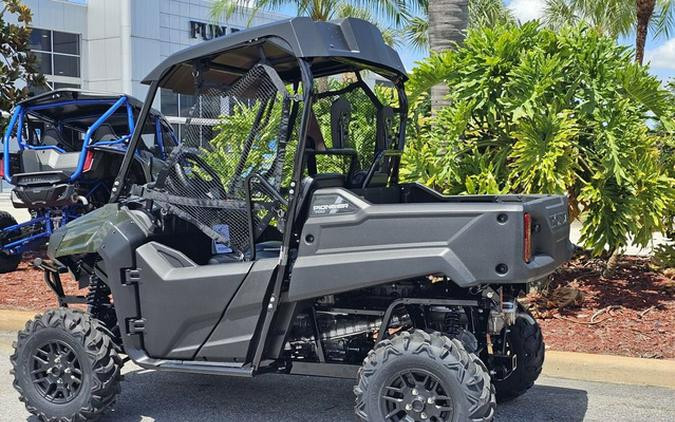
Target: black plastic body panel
pixel 118 254
pixel 467 241
pixel 39 193
pixel 231 339
pixel 182 302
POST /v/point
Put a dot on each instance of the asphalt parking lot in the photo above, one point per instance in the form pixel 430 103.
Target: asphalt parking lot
pixel 154 396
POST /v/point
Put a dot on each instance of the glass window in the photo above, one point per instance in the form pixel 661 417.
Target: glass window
pixel 66 65
pixel 61 85
pixel 40 39
pixel 44 62
pixel 169 102
pixel 186 103
pixel 66 43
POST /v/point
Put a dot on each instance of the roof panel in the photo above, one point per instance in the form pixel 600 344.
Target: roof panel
pixel 353 39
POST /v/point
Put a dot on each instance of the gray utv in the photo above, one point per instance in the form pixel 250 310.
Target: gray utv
pixel 280 240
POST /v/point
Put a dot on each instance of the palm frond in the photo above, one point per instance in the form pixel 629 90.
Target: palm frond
pixel 664 18
pixel 558 13
pixel 416 33
pixel 488 13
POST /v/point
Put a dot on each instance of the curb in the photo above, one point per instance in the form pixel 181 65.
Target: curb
pixel 610 369
pixel 12 321
pixel 569 365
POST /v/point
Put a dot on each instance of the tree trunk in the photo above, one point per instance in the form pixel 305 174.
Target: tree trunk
pixel 612 264
pixel 448 20
pixel 645 10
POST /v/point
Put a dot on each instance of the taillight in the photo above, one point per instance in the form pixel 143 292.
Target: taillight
pixel 527 237
pixel 88 161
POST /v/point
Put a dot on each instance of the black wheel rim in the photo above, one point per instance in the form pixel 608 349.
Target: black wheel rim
pixel 56 372
pixel 416 395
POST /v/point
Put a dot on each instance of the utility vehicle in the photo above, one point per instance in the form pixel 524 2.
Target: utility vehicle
pixel 279 239
pixel 61 152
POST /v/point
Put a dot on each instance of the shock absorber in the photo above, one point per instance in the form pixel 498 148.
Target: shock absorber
pixel 99 305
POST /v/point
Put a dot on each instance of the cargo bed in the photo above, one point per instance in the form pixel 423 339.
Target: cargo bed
pixel 350 241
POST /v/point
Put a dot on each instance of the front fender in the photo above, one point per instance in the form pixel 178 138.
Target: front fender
pixel 85 234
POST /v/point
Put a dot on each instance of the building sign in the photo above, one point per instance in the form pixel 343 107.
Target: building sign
pixel 206 31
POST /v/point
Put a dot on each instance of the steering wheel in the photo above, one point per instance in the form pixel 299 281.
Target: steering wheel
pixel 201 178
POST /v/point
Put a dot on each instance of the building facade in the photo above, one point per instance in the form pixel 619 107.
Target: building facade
pixel 111 45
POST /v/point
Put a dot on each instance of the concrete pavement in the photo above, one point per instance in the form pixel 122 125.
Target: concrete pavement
pixel 155 396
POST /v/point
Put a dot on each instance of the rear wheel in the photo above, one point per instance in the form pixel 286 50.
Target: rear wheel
pixel 420 376
pixel 525 340
pixel 8 262
pixel 66 367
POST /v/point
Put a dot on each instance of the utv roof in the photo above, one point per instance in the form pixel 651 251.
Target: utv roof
pixel 335 47
pixel 79 107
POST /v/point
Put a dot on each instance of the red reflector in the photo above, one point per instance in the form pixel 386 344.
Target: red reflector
pixel 88 161
pixel 2 168
pixel 527 237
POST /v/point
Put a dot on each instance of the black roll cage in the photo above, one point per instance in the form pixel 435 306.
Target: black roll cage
pixel 308 96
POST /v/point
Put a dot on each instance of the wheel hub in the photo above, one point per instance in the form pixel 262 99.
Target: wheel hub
pixel 56 372
pixel 416 395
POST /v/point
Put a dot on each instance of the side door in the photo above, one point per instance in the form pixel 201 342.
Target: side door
pixel 181 302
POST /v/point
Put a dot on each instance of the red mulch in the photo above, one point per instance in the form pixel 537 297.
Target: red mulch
pixel 25 289
pixel 633 312
pixel 637 318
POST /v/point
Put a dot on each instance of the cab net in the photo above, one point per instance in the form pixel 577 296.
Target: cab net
pixel 226 175
pixel 356 126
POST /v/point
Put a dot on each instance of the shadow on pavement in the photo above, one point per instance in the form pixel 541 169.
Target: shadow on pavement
pixel 180 397
pixel 545 403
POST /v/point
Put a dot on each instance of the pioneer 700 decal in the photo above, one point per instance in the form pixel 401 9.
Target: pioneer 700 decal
pixel 331 205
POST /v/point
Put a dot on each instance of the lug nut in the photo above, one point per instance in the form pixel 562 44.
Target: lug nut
pixel 430 400
pixel 423 415
pixel 415 392
pixel 408 406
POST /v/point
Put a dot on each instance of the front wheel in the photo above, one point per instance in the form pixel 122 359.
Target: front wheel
pixel 8 262
pixel 420 376
pixel 524 339
pixel 66 367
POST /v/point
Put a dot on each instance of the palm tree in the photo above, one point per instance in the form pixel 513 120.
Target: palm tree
pixel 443 25
pixel 319 10
pixel 616 17
pixel 448 21
pixel 481 13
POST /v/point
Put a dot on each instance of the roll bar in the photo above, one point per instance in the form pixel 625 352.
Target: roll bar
pixel 16 124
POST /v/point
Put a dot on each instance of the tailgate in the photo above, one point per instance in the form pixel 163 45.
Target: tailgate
pixel 550 231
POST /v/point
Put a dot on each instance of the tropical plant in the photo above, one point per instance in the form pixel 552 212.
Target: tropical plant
pixel 615 17
pixel 18 68
pixel 533 110
pixel 442 24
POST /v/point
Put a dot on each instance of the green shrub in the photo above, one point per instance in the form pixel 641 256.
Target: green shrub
pixel 664 256
pixel 534 111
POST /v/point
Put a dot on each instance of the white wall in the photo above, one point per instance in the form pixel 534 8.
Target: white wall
pixel 123 40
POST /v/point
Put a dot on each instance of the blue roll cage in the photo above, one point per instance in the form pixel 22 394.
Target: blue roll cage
pixel 18 117
pixel 67 214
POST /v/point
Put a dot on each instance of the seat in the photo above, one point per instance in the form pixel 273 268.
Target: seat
pixel 52 137
pixel 105 133
pixel 268 249
pixel 48 160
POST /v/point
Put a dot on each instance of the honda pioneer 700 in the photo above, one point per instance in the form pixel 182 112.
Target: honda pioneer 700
pixel 280 240
pixel 61 152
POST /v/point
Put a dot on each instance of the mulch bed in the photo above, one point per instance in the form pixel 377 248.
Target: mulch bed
pixel 25 289
pixel 631 313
